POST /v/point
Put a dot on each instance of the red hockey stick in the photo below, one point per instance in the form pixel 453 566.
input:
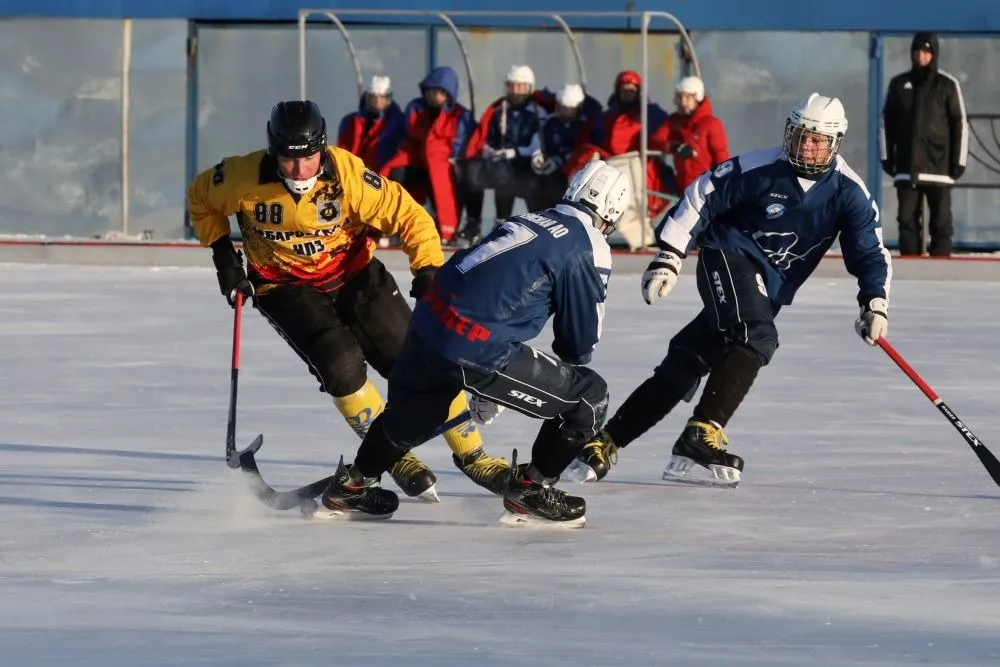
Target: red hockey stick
pixel 989 461
pixel 233 377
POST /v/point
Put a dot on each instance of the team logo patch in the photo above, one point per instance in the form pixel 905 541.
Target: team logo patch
pixel 327 211
pixel 723 169
pixel 774 211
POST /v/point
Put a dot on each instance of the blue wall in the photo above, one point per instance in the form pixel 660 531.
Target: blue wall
pixel 882 15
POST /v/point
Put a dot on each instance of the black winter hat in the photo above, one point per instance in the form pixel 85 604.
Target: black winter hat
pixel 925 41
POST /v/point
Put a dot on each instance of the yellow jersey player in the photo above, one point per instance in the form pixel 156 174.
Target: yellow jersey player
pixel 308 213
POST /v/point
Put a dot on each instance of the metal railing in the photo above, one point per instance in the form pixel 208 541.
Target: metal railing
pixel 333 15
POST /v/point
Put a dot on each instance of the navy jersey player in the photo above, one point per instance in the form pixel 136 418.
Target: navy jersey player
pixel 468 333
pixel 767 218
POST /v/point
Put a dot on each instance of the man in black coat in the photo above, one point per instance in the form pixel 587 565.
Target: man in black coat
pixel 925 145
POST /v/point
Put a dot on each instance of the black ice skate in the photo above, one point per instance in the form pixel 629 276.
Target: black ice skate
pixel 415 479
pixel 598 456
pixel 700 458
pixel 352 496
pixel 532 502
pixel 489 472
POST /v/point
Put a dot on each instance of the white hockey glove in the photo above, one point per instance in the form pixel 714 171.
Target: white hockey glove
pixel 873 323
pixel 483 410
pixel 538 162
pixel 660 276
pixel 504 154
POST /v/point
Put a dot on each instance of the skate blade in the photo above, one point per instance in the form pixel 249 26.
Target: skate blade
pixel 430 495
pixel 315 511
pixel 578 471
pixel 527 522
pixel 682 470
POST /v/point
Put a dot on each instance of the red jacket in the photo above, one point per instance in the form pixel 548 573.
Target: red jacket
pixel 373 139
pixel 704 133
pixel 622 130
pixel 433 138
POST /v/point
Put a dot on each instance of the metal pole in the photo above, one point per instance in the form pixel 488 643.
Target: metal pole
pixel 580 70
pixel 350 49
pixel 644 124
pixel 303 16
pixel 465 57
pixel 126 94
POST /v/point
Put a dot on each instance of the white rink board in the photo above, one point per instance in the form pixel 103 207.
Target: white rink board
pixel 865 532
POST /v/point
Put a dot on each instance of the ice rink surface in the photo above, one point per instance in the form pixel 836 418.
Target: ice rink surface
pixel 865 532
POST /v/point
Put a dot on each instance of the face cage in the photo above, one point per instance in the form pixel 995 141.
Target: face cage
pixel 793 135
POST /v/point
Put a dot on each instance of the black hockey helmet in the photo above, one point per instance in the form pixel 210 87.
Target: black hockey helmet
pixel 296 129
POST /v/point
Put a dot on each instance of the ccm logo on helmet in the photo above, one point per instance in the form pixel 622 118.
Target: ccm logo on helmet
pixel 531 400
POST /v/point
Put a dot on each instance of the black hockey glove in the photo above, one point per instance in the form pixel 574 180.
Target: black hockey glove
pixel 229 270
pixel 685 150
pixel 422 281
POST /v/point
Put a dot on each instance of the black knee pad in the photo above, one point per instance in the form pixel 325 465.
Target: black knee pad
pixel 762 340
pixel 341 369
pixel 588 415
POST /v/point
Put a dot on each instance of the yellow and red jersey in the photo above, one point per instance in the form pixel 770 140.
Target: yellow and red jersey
pixel 322 237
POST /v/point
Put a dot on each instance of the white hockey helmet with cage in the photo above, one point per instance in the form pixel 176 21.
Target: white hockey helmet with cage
pixel 521 74
pixel 815 114
pixel 603 190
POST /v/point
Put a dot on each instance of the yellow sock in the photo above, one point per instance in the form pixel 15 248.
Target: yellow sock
pixel 361 408
pixel 465 437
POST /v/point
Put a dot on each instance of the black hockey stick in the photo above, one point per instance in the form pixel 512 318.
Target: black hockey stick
pixel 286 500
pixel 987 458
pixel 234 375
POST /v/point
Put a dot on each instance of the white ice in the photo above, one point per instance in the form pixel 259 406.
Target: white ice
pixel 865 531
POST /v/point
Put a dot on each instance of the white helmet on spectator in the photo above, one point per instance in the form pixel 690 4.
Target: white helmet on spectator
pixel 815 115
pixel 691 85
pixel 380 85
pixel 602 190
pixel 521 74
pixel 570 96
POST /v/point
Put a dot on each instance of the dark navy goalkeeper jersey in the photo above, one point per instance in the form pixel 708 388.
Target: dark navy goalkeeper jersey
pixel 490 298
pixel 756 204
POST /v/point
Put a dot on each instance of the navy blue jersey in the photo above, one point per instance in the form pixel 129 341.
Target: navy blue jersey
pixel 488 299
pixel 756 204
pixel 517 127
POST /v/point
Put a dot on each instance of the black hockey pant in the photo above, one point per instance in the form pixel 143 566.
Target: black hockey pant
pixel 732 338
pixel 572 401
pixel 337 334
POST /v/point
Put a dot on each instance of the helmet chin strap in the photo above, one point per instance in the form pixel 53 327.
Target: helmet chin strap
pixel 301 187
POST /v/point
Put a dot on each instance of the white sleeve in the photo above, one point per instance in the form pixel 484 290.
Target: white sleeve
pixel 675 230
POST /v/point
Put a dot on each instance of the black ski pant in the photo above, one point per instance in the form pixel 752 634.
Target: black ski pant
pixel 940 223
